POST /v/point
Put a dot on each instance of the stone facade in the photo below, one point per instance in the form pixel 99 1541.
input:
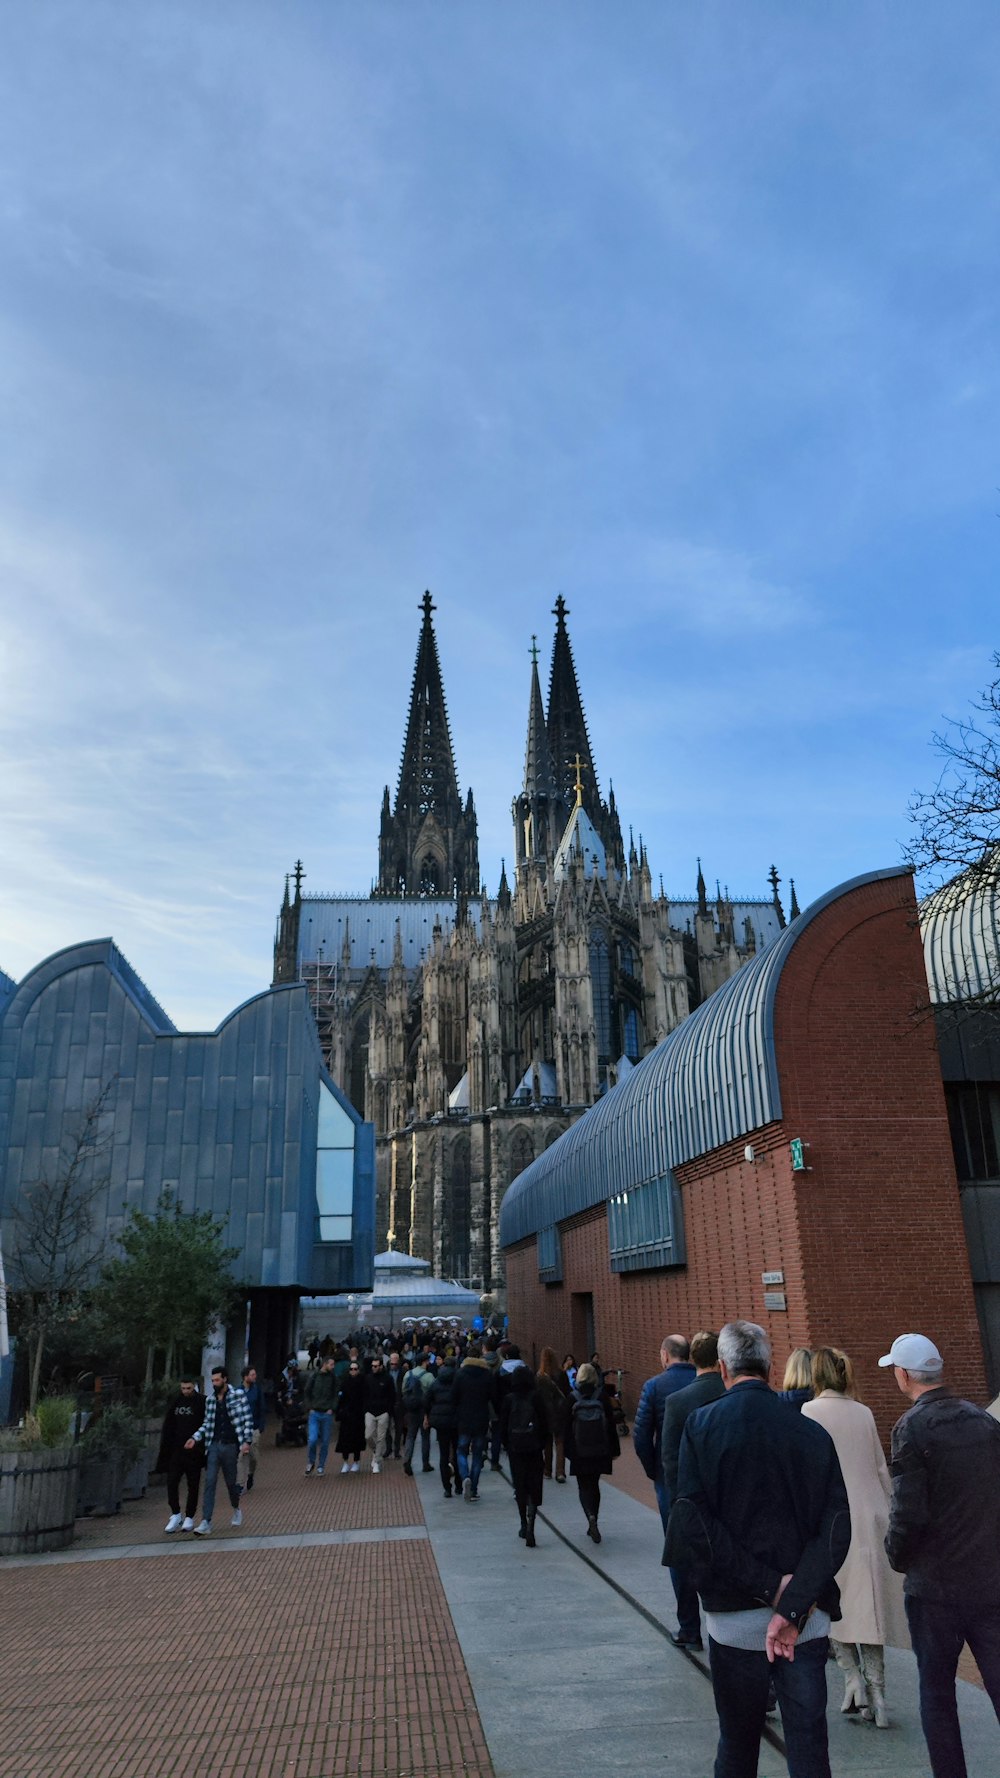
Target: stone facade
pixel 472 1029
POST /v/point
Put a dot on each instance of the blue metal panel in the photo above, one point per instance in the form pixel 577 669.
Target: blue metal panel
pixel 710 1081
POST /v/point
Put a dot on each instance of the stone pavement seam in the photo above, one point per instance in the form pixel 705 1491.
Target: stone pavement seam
pixel 294 1540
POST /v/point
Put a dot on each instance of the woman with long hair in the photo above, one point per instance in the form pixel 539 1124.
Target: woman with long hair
pixel 871 1595
pixel 555 1402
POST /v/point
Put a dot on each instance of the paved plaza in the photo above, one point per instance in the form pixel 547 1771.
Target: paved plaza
pixel 364 1625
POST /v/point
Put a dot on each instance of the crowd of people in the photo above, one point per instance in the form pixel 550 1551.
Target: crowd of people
pixel 784 1526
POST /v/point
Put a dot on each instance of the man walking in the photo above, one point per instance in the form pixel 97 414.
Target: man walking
pixel 472 1402
pixel 707 1386
pixel 322 1390
pixel 676 1372
pixel 397 1430
pixel 182 1463
pixel 380 1399
pixel 416 1388
pixel 762 1524
pixel 225 1432
pixel 944 1535
pixel 258 1414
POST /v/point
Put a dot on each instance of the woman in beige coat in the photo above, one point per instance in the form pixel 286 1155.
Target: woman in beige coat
pixel 871 1595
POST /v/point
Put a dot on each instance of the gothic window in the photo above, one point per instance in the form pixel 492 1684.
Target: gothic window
pixel 522 1152
pixel 430 876
pixel 630 1034
pixel 359 1061
pixel 600 978
pixel 456 1242
pixel 626 957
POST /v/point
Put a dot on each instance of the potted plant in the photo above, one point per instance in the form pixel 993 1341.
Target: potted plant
pixel 38 1480
pixel 110 1448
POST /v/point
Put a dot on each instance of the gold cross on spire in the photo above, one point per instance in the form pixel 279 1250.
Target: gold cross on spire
pixel 579 782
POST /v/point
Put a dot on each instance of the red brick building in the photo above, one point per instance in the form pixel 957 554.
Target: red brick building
pixel 679 1201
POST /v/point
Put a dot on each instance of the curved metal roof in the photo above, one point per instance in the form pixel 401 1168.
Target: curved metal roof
pixel 712 1079
pixel 960 927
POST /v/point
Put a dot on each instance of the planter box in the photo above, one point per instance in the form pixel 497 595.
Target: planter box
pixel 135 1479
pixel 100 1487
pixel 37 1500
pixel 157 1478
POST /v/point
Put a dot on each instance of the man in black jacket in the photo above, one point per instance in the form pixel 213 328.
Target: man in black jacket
pixel 473 1399
pixel 707 1386
pixel 761 1517
pixel 944 1535
pixel 183 1418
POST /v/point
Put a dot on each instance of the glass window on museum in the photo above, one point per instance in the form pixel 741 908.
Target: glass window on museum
pixel 334 1169
pixel 974 1115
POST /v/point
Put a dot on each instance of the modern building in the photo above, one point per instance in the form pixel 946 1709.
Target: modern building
pixel 243 1122
pixel 960 924
pixel 784 1154
pixel 472 1029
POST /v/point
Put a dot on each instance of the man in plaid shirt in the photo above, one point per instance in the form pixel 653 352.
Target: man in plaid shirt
pixel 225 1432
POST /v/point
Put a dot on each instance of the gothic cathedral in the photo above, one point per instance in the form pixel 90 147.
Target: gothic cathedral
pixel 472 1029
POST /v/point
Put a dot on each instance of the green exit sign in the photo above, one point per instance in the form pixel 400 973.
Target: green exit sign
pixel 798 1149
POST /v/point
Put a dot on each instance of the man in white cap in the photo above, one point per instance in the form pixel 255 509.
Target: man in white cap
pixel 944 1535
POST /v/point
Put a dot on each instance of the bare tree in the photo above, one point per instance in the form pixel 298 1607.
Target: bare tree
pixel 55 1249
pixel 958 822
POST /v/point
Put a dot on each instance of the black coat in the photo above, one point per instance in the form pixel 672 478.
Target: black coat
pixel 351 1415
pixel 379 1394
pixel 760 1495
pixel 473 1396
pixel 675 1415
pixel 590 1466
pixel 944 1518
pixel 441 1398
pixel 183 1418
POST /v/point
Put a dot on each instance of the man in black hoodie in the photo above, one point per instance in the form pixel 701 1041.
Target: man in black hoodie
pixel 183 1418
pixel 472 1399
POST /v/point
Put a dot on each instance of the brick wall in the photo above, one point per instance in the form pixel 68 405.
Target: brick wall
pixel 870 1240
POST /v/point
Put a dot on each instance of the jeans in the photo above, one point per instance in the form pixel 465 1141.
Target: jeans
pixel 471 1451
pixel 688 1616
pixel 415 1424
pixel 224 1457
pixel 741 1678
pixel 937 1631
pixel 320 1428
pixel 376 1434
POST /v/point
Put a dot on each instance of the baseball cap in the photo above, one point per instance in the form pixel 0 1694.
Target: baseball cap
pixel 913 1352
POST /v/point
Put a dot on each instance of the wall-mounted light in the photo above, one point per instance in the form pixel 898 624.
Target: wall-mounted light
pixel 748 1152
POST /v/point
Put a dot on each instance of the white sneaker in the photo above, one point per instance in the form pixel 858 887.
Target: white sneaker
pixel 354 1468
pixel 174 1522
pixel 237 1518
pixel 188 1525
pixel 345 1469
pixel 309 1469
pixel 376 1468
pixel 204 1529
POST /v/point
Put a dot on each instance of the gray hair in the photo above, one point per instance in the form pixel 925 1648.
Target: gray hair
pixel 925 1376
pixel 745 1349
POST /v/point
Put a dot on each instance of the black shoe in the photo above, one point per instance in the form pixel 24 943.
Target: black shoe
pixel 592 1531
pixel 680 1641
pixel 447 1493
pixel 522 1531
pixel 495 1467
pixel 530 1537
pixel 249 1483
pixel 407 1468
pixel 427 1468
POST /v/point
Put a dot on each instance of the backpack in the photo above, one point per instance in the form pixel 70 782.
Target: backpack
pixel 413 1390
pixel 590 1431
pixel 525 1436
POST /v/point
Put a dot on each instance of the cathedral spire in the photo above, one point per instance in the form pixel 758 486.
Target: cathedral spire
pixel 538 779
pixel 428 844
pixel 567 725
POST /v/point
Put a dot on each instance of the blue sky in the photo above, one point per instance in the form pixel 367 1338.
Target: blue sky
pixel 687 312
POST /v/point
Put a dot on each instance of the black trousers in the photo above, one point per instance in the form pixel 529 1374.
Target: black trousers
pixel 589 1490
pixel 447 1437
pixel 184 1465
pixel 526 1475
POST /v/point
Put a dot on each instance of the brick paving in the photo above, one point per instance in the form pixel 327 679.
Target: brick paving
pixel 331 1662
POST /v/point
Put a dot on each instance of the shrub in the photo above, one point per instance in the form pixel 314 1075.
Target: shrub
pixel 114 1432
pixel 55 1415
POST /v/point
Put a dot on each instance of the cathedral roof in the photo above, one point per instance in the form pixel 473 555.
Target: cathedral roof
pixel 371 923
pixel 581 839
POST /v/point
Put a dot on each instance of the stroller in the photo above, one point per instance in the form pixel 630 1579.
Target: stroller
pixel 293 1428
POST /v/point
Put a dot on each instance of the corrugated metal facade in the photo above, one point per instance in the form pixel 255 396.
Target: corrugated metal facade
pixel 960 926
pixel 227 1120
pixel 713 1079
